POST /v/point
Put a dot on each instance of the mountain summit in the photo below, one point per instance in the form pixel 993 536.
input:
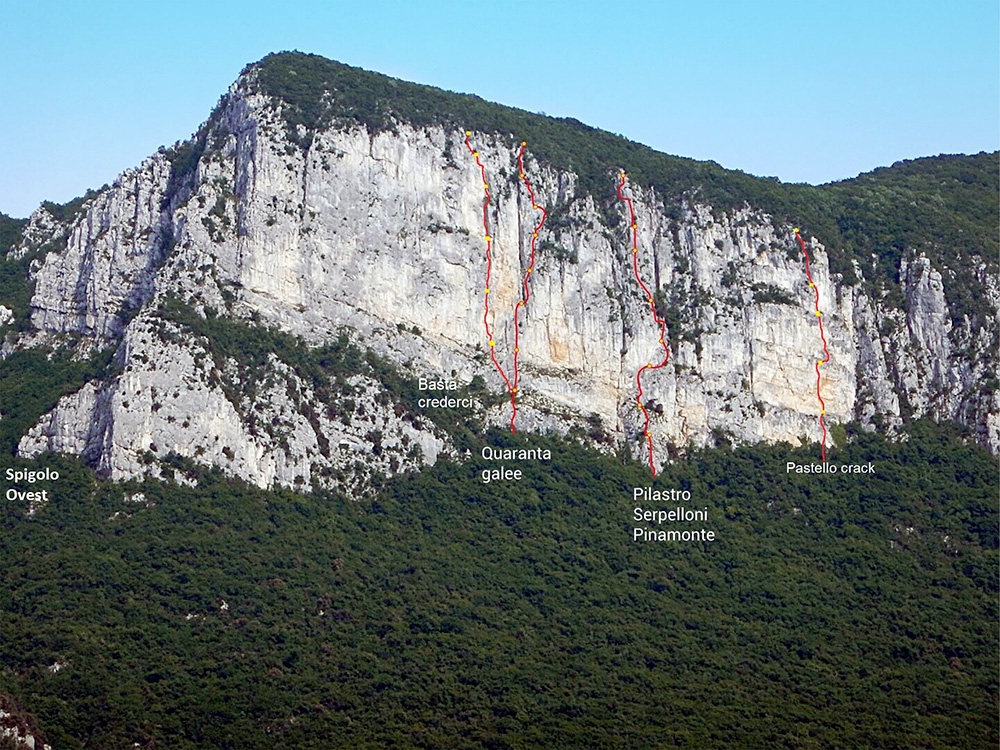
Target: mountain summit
pixel 275 295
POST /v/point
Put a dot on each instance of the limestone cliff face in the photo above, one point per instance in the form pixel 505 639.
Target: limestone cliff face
pixel 380 235
pixel 110 258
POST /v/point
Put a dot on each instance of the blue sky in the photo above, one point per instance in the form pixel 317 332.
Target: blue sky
pixel 808 91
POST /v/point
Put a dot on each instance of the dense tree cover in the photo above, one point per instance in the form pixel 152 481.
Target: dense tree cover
pixel 33 380
pixel 832 611
pixel 66 212
pixel 945 206
pixel 14 287
pixel 10 232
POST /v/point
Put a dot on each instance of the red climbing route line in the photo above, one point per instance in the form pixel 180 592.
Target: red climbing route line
pixel 826 350
pixel 523 302
pixel 489 269
pixel 510 382
pixel 659 321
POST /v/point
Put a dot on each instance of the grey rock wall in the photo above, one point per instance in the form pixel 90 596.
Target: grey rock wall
pixel 381 235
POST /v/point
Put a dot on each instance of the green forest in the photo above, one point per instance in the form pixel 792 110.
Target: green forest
pixel 831 611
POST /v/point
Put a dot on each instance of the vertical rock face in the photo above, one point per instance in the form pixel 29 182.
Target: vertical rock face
pixel 110 258
pixel 380 235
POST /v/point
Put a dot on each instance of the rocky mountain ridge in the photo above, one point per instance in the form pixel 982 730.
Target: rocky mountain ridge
pixel 331 229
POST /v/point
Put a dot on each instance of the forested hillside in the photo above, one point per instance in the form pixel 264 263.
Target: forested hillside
pixel 831 611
